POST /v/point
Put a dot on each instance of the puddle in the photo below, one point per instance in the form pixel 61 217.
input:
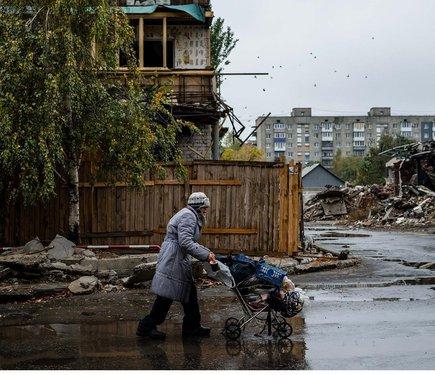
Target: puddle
pixel 115 346
pixel 403 262
pixel 341 234
pixel 360 284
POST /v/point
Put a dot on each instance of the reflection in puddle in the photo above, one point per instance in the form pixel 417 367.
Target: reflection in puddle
pixel 115 346
pixel 269 354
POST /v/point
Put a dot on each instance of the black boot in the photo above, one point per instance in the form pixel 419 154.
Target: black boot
pixel 144 331
pixel 198 332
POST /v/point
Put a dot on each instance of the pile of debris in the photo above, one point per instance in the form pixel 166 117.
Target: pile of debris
pixel 38 273
pixel 374 206
pixel 35 271
pixel 406 200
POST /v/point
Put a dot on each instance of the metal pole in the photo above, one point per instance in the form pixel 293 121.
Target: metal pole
pixel 255 129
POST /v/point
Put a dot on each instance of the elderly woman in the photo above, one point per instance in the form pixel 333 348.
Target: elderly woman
pixel 173 280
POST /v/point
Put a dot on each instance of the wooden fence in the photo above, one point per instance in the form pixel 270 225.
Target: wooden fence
pixel 255 208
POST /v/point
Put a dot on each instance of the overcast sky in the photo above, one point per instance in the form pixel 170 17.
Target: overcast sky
pixel 391 42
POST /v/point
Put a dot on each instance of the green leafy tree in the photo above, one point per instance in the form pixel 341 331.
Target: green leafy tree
pixel 58 106
pixel 223 42
pixel 229 141
pixel 246 153
pixel 371 168
pixel 348 168
pixel 233 150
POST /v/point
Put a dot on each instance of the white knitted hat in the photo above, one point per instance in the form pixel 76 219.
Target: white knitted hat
pixel 198 200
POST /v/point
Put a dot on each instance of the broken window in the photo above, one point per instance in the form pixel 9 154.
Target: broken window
pixel 153 53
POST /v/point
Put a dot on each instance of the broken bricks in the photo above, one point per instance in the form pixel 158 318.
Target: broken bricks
pixel 373 205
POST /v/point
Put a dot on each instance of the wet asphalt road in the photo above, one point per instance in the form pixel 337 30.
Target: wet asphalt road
pixel 379 315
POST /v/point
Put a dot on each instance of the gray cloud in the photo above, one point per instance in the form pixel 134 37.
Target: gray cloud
pixel 391 42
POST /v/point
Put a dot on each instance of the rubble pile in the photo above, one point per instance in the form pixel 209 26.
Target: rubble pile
pixel 374 205
pixel 37 271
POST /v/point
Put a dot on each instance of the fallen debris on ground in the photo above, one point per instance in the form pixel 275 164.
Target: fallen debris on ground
pixel 374 206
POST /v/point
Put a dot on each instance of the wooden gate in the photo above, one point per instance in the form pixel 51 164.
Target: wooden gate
pixel 255 208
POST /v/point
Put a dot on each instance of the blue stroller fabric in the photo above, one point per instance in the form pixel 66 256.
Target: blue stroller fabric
pixel 240 269
pixel 244 269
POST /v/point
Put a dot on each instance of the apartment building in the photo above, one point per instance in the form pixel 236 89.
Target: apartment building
pixel 304 137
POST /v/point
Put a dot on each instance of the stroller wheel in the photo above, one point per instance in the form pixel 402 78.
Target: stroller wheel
pixel 284 330
pixel 232 330
pixel 285 346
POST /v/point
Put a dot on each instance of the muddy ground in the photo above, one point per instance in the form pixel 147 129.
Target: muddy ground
pixel 378 315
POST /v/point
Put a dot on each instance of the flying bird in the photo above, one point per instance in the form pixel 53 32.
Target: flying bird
pixel 264 89
pixel 315 85
pixel 348 76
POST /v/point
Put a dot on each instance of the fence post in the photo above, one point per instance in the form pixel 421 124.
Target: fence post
pixel 283 245
pixel 301 243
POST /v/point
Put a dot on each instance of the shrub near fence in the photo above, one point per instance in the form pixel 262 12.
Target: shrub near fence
pixel 255 208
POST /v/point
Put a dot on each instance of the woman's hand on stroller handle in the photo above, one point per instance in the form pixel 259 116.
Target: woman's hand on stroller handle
pixel 212 257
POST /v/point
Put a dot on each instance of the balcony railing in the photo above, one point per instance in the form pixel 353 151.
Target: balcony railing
pixel 186 87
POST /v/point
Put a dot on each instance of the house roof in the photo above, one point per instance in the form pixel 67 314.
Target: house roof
pixel 193 9
pixel 308 170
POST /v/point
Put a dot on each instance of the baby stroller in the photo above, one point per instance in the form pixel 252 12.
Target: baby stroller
pixel 257 286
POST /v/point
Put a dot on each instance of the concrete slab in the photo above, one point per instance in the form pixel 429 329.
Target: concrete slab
pixel 123 265
pixel 62 248
pixel 13 293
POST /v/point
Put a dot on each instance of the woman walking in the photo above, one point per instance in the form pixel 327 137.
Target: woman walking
pixel 173 280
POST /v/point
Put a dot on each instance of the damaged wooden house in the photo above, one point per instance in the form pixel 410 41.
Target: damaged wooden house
pixel 172 46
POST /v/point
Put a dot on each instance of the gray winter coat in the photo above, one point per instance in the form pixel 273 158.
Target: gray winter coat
pixel 174 278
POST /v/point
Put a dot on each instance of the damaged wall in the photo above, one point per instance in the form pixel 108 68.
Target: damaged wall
pixel 201 142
